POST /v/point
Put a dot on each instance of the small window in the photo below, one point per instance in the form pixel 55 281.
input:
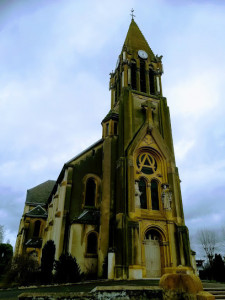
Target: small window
pixel 90 192
pixel 92 243
pixel 107 129
pixel 142 76
pixel 133 75
pixel 154 195
pixel 37 226
pixel 142 189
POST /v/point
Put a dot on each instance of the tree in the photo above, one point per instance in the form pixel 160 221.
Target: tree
pixel 6 253
pixel 47 261
pixel 67 269
pixel 2 233
pixel 208 239
pixel 24 271
pixel 218 268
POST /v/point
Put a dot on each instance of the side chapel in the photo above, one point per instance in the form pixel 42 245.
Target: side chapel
pixel 117 205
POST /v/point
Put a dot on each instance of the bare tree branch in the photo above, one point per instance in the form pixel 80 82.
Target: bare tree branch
pixel 208 239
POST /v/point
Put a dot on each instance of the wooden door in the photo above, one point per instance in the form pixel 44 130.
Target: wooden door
pixel 152 257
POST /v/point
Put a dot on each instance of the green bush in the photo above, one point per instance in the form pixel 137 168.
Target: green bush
pixel 67 269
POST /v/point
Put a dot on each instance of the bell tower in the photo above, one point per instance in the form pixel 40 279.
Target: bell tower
pixel 148 236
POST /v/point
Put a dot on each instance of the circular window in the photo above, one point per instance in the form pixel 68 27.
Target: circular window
pixel 146 163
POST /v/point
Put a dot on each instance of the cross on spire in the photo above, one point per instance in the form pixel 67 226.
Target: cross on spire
pixel 132 13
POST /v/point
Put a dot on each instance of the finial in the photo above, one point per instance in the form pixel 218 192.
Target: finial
pixel 132 13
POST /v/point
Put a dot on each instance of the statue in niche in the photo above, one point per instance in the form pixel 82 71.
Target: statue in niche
pixel 166 197
pixel 137 195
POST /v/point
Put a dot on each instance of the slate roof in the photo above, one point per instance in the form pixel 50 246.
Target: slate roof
pixel 111 116
pixel 136 41
pixel 40 193
pixel 37 212
pixel 88 217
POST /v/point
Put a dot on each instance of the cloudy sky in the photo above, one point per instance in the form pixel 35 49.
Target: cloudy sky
pixel 55 60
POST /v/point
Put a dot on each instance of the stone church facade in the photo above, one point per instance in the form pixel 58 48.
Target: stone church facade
pixel 117 205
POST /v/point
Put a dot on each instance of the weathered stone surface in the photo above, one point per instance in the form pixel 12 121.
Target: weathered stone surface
pixel 187 283
pixel 205 296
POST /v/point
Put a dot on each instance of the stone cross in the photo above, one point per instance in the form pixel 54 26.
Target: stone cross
pixel 149 107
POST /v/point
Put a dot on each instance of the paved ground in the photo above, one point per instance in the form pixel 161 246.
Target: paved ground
pixel 12 294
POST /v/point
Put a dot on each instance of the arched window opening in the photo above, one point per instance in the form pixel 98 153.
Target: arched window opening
pixel 142 76
pixel 143 196
pixel 151 81
pixel 154 195
pixel 37 226
pixel 92 243
pixel 133 75
pixel 90 192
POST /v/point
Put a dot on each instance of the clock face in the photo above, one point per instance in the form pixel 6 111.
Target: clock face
pixel 142 54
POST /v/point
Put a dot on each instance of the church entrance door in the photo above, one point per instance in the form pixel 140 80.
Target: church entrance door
pixel 152 255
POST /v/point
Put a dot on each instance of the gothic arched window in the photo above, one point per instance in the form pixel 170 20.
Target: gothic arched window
pixel 133 75
pixel 151 81
pixel 142 76
pixel 143 196
pixel 37 226
pixel 154 195
pixel 90 192
pixel 92 243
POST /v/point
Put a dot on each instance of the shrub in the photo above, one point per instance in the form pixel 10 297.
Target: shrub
pixel 47 261
pixel 67 269
pixel 24 271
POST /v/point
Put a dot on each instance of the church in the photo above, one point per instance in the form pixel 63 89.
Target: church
pixel 117 205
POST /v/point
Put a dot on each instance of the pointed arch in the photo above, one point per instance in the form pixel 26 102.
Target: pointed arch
pixel 158 229
pixel 91 190
pixel 92 243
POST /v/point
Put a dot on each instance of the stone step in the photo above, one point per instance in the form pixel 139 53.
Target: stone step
pixel 219 293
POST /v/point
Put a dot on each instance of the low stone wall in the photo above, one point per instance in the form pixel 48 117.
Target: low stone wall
pixel 124 293
pixel 102 293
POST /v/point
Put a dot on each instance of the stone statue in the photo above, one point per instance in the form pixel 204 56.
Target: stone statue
pixel 137 195
pixel 166 197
